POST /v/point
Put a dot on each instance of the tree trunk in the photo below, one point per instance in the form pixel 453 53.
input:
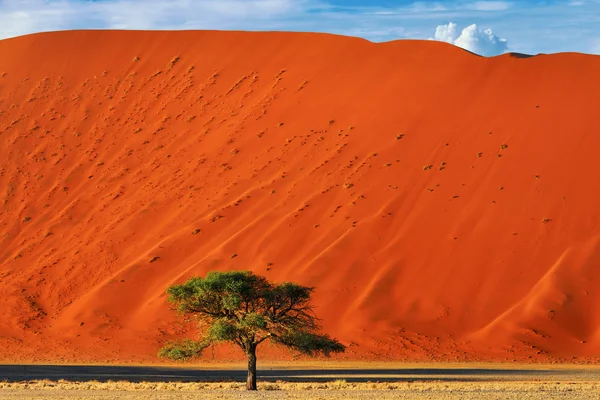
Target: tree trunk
pixel 251 382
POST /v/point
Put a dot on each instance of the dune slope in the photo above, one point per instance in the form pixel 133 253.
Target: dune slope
pixel 444 205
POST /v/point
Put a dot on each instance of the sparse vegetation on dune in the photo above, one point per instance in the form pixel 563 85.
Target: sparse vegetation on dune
pixel 152 156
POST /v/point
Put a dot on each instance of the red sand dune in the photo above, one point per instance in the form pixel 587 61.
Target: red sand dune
pixel 306 155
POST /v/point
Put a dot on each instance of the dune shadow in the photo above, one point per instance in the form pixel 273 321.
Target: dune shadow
pixel 88 373
pixel 521 55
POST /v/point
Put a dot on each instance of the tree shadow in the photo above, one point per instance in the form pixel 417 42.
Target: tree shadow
pixel 173 374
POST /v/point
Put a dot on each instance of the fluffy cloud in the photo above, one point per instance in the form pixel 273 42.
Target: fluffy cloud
pixel 479 41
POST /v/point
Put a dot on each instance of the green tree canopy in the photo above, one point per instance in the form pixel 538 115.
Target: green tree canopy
pixel 247 309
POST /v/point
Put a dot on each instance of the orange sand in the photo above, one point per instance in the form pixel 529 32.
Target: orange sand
pixel 305 155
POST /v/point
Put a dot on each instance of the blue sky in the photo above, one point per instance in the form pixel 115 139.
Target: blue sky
pixel 484 26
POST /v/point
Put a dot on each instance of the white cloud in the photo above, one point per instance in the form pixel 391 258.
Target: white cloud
pixel 480 41
pixel 446 33
pixel 427 7
pixel 490 5
pixel 595 48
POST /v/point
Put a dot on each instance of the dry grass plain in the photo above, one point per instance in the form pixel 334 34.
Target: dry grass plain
pixel 305 391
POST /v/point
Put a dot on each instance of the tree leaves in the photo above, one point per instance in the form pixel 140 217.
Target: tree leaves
pixel 232 302
pixel 309 343
pixel 182 350
pixel 253 321
pixel 221 330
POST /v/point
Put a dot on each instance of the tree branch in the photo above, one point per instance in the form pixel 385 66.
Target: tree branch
pixel 257 342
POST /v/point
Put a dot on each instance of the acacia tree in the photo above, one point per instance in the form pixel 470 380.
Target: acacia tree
pixel 247 309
